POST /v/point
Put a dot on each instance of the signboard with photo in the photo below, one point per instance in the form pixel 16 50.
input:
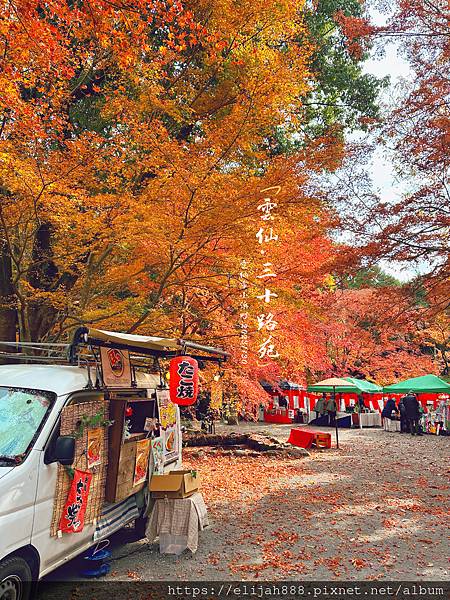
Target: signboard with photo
pixel 142 459
pixel 158 455
pixel 167 409
pixel 169 429
pixel 170 444
pixel 94 447
pixel 116 367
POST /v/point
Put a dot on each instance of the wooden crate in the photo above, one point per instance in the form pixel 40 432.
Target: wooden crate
pixel 322 440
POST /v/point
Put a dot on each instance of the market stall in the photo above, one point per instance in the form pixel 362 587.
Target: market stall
pixel 286 403
pixel 436 411
pixel 137 441
pixel 337 387
pixel 364 394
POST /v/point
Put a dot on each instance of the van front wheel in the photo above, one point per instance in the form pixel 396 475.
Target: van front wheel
pixel 15 579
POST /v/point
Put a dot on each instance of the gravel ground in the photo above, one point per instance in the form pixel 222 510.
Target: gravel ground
pixel 377 508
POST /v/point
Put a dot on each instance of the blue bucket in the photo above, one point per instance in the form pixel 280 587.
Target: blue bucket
pixel 96 562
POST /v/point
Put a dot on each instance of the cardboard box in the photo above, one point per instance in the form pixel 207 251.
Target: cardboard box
pixel 176 484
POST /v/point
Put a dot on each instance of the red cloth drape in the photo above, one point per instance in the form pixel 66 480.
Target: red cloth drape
pixel 72 518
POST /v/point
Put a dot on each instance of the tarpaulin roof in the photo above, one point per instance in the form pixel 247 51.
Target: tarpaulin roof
pixel 144 344
pixel 344 385
pixel 424 384
pixel 365 386
pixel 138 341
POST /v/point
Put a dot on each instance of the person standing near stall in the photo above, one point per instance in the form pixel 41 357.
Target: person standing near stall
pixel 331 409
pixel 319 408
pixel 402 411
pixel 387 413
pixel 361 405
pixel 412 413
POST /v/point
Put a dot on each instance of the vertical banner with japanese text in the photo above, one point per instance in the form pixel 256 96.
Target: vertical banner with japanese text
pixel 72 518
pixel 266 236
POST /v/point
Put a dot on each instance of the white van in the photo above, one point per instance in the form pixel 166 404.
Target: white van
pixel 38 393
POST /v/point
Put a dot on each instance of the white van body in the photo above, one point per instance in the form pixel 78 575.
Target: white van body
pixel 27 490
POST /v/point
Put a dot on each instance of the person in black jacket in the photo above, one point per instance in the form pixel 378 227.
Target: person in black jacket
pixel 403 420
pixel 389 409
pixel 412 406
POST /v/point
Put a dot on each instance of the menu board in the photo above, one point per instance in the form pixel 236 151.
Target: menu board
pixel 169 428
pixel 142 459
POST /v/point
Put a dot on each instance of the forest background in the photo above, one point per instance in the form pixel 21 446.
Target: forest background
pixel 136 142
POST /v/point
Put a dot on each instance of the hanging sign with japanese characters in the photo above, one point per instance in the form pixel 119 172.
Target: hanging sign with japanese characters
pixel 183 380
pixel 72 519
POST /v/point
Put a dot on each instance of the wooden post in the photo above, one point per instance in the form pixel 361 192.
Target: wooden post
pixel 335 419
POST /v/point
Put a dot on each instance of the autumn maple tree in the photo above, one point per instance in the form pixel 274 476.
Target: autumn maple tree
pixel 135 142
pixel 132 143
pixel 411 228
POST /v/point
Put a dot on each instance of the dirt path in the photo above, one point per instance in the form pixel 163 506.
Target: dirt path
pixel 375 509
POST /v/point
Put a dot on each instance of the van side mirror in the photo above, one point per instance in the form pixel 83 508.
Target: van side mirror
pixel 64 450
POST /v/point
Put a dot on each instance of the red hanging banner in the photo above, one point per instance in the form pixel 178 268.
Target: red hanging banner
pixel 72 519
pixel 183 380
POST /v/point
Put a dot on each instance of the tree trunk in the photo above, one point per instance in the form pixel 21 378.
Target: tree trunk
pixel 8 314
pixel 44 275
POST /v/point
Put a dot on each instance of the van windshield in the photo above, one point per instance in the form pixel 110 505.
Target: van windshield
pixel 22 414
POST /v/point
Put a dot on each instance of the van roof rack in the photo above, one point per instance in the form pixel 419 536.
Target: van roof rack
pixel 157 347
pixel 86 339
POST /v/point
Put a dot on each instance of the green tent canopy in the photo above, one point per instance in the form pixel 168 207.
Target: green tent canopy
pixel 344 385
pixel 420 385
pixel 365 386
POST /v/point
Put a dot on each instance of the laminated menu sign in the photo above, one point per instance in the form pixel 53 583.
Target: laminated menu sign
pixel 169 429
pixel 167 409
pixel 72 519
pixel 158 455
pixel 142 459
pixel 170 444
pixel 116 367
pixel 94 447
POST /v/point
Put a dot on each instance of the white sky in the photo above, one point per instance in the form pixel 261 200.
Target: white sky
pixel 381 169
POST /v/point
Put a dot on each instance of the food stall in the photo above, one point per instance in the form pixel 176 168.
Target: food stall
pixel 348 394
pixel 93 423
pixel 286 402
pixel 434 395
pixel 138 434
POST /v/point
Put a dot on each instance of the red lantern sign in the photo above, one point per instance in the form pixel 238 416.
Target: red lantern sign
pixel 183 383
